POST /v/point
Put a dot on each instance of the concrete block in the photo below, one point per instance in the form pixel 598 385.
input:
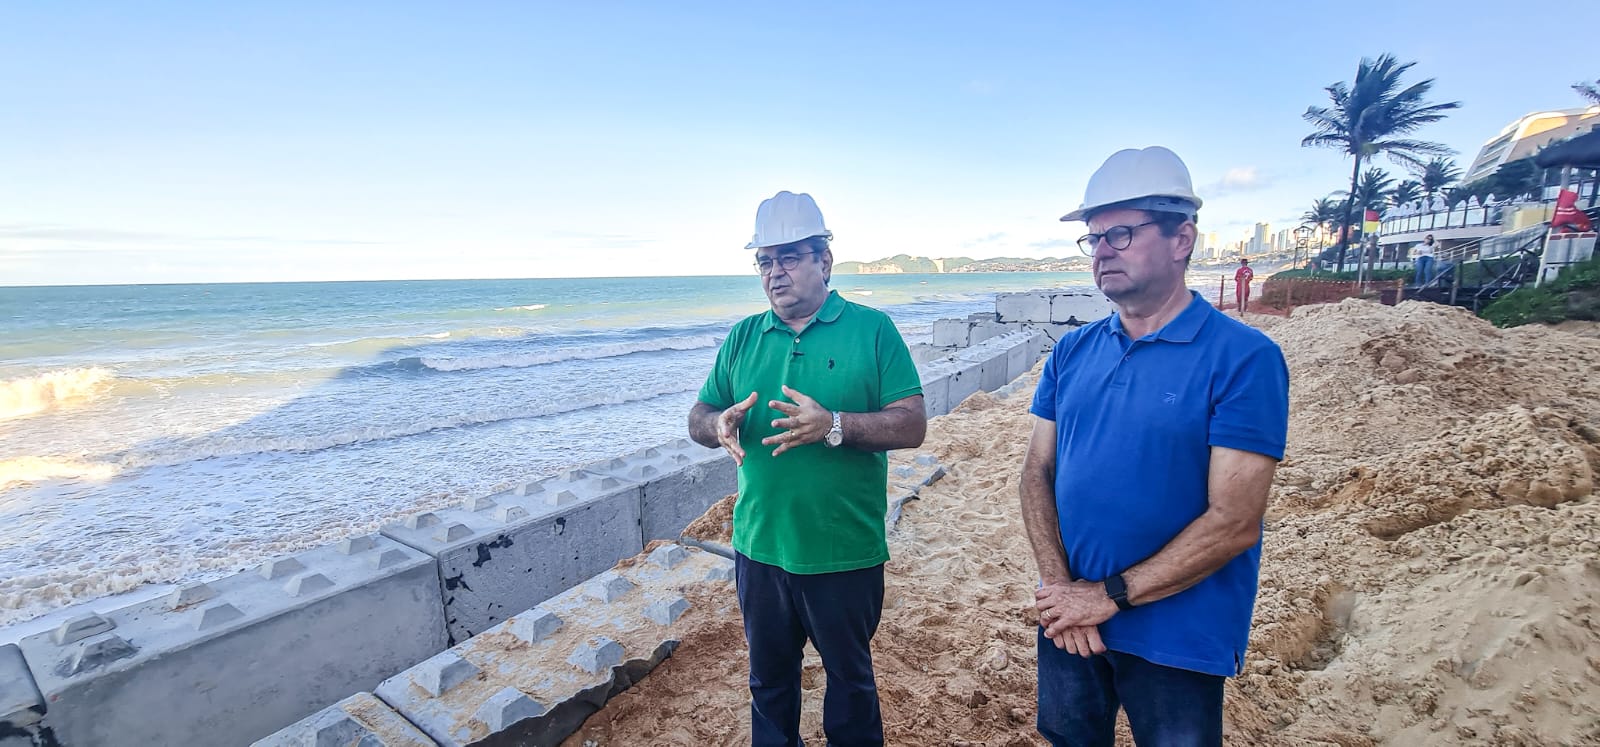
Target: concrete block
pixel 596 655
pixel 534 626
pixel 965 380
pixel 949 333
pixel 495 562
pixel 668 556
pixel 935 388
pixel 442 672
pixel 507 707
pixel 990 360
pixel 1078 308
pixel 537 689
pixel 666 611
pixel 190 594
pixel 607 587
pixel 1032 306
pixel 360 720
pixel 80 627
pixel 247 660
pixel 21 705
pixel 680 480
pixel 982 331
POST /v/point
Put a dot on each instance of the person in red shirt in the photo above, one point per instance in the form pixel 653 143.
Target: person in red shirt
pixel 1241 282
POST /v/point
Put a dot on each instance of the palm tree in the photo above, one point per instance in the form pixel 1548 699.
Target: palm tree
pixel 1437 174
pixel 1325 212
pixel 1406 192
pixel 1371 116
pixel 1372 191
pixel 1589 91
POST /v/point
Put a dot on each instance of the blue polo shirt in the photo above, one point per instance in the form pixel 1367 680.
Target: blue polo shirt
pixel 1135 423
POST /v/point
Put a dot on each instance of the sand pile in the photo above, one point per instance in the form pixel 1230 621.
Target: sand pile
pixel 1430 571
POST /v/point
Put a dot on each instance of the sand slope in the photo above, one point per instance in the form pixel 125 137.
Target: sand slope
pixel 1430 570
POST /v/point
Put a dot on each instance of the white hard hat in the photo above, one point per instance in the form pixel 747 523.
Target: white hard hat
pixel 1150 179
pixel 785 218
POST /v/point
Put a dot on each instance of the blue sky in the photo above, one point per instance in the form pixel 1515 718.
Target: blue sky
pixel 197 142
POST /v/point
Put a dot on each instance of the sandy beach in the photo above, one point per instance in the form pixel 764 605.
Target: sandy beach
pixel 1429 576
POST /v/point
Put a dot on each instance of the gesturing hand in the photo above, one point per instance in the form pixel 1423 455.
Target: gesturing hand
pixel 807 423
pixel 728 427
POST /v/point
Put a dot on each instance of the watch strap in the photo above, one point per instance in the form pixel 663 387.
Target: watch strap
pixel 1117 590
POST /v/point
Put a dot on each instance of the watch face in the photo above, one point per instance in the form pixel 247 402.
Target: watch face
pixel 834 438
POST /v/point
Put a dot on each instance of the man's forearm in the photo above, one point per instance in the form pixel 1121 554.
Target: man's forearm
pixel 703 425
pixel 1042 523
pixel 1207 544
pixel 1238 485
pixel 903 425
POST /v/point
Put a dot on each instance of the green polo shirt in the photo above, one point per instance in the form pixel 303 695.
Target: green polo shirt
pixel 812 509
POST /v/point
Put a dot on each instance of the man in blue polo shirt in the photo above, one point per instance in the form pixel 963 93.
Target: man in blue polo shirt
pixel 1157 433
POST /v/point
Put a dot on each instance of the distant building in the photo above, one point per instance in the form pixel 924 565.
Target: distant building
pixel 1200 245
pixel 1258 244
pixel 1527 135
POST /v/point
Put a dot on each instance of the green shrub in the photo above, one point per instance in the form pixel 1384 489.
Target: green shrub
pixel 1573 295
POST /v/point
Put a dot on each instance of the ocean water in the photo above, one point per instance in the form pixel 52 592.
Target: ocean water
pixel 153 435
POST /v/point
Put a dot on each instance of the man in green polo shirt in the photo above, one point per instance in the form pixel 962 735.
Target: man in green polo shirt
pixel 807 397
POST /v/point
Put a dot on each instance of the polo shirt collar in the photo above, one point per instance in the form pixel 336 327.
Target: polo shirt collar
pixel 832 307
pixel 1183 328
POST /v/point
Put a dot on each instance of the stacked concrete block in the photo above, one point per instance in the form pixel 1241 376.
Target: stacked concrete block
pixel 679 480
pixel 1024 355
pixel 935 377
pixel 1023 308
pixel 951 333
pixel 990 358
pixel 965 379
pixel 533 679
pixel 21 705
pixel 1078 307
pixel 512 550
pixel 361 720
pixel 234 660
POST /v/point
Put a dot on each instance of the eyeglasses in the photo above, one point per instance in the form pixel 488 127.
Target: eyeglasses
pixel 787 262
pixel 1119 237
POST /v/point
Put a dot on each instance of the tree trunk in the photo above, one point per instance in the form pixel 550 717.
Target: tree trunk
pixel 1350 206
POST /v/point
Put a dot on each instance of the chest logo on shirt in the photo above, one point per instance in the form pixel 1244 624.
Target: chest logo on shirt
pixel 1170 398
pixel 830 364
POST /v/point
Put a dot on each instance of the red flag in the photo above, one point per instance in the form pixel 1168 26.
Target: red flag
pixel 1370 225
pixel 1568 216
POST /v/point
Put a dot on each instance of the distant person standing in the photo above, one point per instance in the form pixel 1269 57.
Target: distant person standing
pixel 807 397
pixel 1242 278
pixel 1422 260
pixel 1156 434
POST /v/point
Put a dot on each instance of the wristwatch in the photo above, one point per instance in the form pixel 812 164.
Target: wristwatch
pixel 1117 589
pixel 836 435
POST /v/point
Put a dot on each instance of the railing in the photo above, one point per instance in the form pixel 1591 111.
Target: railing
pixel 1461 215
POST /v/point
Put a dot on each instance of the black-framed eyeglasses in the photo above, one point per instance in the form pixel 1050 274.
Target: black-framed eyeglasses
pixel 1119 237
pixel 788 262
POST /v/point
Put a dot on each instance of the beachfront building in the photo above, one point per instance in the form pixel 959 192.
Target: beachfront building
pixel 1527 135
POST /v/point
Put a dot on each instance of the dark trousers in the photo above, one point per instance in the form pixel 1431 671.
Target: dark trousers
pixel 839 612
pixel 1078 700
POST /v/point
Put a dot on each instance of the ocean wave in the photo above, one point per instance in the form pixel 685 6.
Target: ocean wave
pixel 51 390
pixel 35 469
pixel 215 446
pixel 529 307
pixel 543 357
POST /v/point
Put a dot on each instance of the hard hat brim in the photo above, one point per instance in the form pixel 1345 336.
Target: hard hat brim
pixel 1158 203
pixel 825 234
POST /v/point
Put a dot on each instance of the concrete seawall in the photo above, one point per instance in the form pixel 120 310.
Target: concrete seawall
pixel 504 619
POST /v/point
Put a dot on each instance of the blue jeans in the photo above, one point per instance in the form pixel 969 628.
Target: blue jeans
pixel 1424 268
pixel 839 612
pixel 1078 700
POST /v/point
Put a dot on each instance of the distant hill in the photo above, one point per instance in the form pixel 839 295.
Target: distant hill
pixel 905 263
